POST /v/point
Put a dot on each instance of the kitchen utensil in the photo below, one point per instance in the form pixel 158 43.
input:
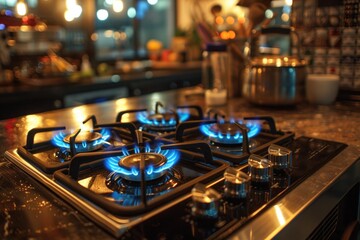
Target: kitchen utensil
pixel 275 80
pixel 205 33
pixel 256 16
pixel 240 53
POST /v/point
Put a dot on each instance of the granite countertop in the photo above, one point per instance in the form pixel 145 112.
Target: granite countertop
pixel 337 122
pixel 28 210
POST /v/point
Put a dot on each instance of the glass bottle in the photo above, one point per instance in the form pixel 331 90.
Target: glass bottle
pixel 215 73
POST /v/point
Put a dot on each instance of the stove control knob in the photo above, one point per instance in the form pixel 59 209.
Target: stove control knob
pixel 280 157
pixel 206 202
pixel 260 169
pixel 236 184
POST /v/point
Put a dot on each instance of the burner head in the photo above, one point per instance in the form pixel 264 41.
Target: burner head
pixel 162 122
pixel 152 161
pixel 157 162
pixel 85 141
pixel 225 128
pixel 84 137
pixel 227 132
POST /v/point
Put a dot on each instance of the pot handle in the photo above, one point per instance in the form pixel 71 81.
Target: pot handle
pixel 284 31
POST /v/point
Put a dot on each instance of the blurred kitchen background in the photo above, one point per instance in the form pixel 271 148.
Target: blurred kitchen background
pixel 72 40
pixel 111 31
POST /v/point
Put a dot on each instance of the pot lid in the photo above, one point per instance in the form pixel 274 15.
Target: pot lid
pixel 278 61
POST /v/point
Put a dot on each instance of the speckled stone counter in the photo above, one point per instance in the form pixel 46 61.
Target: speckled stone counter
pixel 29 211
pixel 337 122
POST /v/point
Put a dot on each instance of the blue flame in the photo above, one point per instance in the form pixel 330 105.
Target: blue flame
pixel 125 199
pixel 143 117
pixel 254 129
pixel 172 157
pixel 58 140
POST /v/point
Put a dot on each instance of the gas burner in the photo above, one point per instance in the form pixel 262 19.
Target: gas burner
pixel 84 141
pixel 160 122
pixel 152 160
pixel 156 162
pixel 169 180
pixel 225 133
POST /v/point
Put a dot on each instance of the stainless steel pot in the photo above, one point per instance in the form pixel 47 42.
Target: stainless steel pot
pixel 275 80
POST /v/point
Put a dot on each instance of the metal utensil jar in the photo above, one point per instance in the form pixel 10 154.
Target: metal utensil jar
pixel 275 80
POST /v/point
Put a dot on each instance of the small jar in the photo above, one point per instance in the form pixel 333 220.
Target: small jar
pixel 215 73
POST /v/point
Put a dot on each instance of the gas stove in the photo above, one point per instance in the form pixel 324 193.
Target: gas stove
pixel 172 173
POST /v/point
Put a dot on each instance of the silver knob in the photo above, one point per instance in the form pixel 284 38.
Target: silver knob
pixel 206 202
pixel 260 169
pixel 236 184
pixel 280 157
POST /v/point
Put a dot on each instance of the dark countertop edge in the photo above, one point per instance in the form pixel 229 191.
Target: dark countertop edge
pixel 23 92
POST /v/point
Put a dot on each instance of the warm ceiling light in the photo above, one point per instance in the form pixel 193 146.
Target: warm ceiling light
pixel 219 20
pixel 285 17
pixel 231 34
pixel 21 8
pixel 241 20
pixel 152 2
pixel 230 20
pixel 269 13
pixel 118 6
pixel 288 2
pixel 77 11
pixel 70 3
pixel 94 36
pixel 109 33
pixel 69 16
pixel 102 14
pixel 131 12
pixel 224 35
pixel 73 10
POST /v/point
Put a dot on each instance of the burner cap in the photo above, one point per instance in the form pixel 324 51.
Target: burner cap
pixel 162 117
pixel 225 133
pixel 152 161
pixel 85 141
pixel 162 121
pixel 225 128
pixel 84 137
